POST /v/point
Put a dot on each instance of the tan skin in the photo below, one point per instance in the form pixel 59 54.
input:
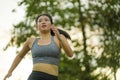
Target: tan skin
pixel 43 26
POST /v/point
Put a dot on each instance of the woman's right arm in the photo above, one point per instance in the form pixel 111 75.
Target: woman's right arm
pixel 18 58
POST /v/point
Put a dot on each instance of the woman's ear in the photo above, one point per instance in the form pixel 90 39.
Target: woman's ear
pixel 37 29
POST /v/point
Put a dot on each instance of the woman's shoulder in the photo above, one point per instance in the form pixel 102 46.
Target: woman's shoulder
pixel 30 41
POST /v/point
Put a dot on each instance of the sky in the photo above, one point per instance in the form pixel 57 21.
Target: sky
pixel 6 16
pixel 7 19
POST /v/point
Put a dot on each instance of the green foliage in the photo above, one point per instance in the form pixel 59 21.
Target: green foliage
pixel 96 15
pixel 72 70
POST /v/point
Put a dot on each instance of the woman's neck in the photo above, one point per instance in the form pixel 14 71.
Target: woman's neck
pixel 45 36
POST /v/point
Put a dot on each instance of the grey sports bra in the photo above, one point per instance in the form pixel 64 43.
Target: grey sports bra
pixel 45 53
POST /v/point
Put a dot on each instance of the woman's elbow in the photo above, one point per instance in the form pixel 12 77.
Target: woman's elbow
pixel 70 55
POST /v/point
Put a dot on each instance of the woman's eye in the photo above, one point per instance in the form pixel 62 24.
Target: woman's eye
pixel 43 20
pixel 46 20
pixel 39 20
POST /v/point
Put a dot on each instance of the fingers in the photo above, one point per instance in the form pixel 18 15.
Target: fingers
pixel 55 30
pixel 7 76
pixel 53 27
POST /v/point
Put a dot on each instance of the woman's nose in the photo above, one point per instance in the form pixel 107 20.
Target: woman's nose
pixel 43 22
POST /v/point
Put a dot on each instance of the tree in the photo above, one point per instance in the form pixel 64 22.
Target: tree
pixel 95 15
pixel 106 15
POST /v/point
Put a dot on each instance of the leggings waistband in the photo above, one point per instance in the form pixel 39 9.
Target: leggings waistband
pixel 37 75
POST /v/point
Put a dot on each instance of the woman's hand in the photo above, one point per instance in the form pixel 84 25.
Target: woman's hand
pixel 55 30
pixel 7 76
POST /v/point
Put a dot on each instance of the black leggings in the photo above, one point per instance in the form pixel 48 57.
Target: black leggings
pixel 37 75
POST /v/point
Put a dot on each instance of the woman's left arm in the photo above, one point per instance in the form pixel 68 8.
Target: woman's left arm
pixel 65 45
pixel 63 41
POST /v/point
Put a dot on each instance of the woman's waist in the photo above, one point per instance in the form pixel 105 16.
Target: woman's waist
pixel 47 68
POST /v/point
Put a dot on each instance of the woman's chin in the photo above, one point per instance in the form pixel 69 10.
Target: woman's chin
pixel 45 30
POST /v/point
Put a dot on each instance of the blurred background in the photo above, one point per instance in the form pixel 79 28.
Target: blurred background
pixel 94 26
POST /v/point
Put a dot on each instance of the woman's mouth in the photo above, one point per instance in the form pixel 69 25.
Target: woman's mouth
pixel 43 26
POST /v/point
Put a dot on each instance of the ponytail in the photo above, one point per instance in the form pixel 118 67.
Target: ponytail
pixel 62 32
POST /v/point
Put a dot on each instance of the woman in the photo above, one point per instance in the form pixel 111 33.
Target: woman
pixel 45 50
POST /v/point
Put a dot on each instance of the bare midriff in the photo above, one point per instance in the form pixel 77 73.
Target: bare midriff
pixel 47 68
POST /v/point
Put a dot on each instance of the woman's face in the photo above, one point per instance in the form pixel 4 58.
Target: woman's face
pixel 43 23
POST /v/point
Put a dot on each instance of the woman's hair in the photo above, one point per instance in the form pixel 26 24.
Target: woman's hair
pixel 52 33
